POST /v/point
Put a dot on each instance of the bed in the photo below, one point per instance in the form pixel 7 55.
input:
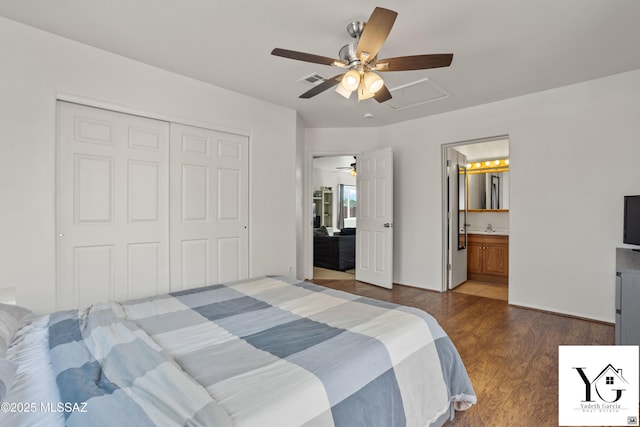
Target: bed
pixel 269 351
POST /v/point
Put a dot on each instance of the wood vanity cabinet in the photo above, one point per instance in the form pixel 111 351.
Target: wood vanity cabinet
pixel 488 258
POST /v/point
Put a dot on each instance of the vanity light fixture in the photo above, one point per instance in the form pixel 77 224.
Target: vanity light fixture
pixel 496 165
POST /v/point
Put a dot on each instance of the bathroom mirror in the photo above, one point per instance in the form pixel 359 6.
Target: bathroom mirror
pixel 462 207
pixel 488 191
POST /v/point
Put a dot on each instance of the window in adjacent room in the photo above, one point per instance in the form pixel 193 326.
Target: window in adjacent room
pixel 349 204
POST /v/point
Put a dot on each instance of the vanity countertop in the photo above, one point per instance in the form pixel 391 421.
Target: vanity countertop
pixel 497 232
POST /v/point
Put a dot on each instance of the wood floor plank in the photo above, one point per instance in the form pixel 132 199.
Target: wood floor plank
pixel 510 353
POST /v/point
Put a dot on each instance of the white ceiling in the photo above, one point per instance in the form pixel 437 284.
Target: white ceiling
pixel 486 150
pixel 502 48
pixel 331 163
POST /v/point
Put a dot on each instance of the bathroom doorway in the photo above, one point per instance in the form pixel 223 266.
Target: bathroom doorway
pixel 478 221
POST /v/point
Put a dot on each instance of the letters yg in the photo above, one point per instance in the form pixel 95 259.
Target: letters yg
pixel 587 387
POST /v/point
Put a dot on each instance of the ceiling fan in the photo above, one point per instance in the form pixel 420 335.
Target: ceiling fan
pixel 351 167
pixel 360 59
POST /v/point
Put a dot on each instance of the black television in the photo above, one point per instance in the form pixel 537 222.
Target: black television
pixel 631 234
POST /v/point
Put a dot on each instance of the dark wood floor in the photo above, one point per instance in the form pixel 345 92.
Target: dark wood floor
pixel 511 353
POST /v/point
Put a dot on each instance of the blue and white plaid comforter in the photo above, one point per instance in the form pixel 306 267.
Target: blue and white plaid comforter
pixel 260 352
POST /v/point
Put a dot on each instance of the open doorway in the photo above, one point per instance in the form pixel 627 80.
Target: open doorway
pixel 334 217
pixel 479 217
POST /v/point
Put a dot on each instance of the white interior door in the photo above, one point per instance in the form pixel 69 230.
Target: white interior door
pixel 456 208
pixel 131 221
pixel 374 234
pixel 111 206
pixel 209 207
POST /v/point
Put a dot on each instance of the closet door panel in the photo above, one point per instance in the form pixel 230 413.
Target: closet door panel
pixel 232 207
pixel 229 203
pixel 93 273
pixel 209 236
pixel 93 189
pixel 230 259
pixel 145 206
pixel 195 263
pixel 143 191
pixel 112 214
pixel 195 192
pixel 143 268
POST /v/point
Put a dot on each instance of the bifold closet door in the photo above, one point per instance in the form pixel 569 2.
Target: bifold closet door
pixel 209 207
pixel 112 211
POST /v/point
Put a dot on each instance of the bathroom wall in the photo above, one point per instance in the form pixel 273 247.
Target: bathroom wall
pixel 479 220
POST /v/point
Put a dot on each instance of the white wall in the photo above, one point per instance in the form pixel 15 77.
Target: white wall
pixel 37 66
pixel 573 156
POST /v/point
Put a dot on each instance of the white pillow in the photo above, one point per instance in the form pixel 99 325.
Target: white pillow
pixel 10 316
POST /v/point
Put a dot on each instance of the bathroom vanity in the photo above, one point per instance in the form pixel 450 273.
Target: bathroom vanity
pixel 488 257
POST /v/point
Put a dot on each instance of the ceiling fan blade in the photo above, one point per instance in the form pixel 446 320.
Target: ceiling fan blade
pixel 327 84
pixel 375 33
pixel 307 57
pixel 382 94
pixel 414 62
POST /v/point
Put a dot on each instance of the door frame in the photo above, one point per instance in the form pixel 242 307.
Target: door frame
pixel 444 287
pixel 456 256
pixel 307 209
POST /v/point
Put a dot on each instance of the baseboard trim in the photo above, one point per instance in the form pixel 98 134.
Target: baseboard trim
pixel 557 313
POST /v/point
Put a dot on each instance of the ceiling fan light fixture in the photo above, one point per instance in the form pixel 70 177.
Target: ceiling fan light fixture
pixel 344 92
pixel 373 82
pixel 351 80
pixel 363 93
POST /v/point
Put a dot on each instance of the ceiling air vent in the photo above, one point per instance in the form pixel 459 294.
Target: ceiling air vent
pixel 416 93
pixel 313 79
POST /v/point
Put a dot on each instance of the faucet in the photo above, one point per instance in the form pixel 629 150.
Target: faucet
pixel 489 227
